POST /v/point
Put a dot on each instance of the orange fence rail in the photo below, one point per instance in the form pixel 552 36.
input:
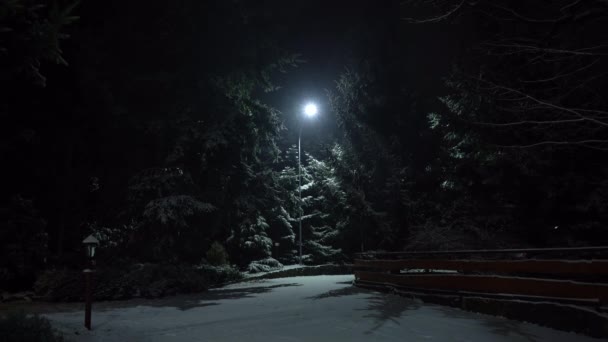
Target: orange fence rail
pixel 532 266
pixel 580 277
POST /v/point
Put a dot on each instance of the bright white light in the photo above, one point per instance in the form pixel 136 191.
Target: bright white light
pixel 310 110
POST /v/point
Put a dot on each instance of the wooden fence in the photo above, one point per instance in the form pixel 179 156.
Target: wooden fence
pixel 572 275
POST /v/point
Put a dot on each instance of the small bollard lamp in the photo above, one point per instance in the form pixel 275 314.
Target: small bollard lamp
pixel 90 244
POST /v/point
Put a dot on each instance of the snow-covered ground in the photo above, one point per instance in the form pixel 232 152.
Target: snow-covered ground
pixel 317 308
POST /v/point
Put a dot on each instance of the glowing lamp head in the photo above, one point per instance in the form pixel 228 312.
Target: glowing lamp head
pixel 91 244
pixel 310 110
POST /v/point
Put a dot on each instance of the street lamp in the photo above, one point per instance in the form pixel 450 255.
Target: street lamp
pixel 90 244
pixel 310 111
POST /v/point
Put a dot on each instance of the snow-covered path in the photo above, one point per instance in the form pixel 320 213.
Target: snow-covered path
pixel 321 308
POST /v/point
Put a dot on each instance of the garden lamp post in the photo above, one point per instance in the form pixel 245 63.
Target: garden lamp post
pixel 310 111
pixel 90 244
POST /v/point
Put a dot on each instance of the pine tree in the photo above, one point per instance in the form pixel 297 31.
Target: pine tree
pixel 169 216
pixel 30 35
pixel 323 203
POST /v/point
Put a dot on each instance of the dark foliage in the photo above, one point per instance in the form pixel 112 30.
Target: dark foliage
pixel 23 243
pixel 216 255
pixel 17 326
pixel 141 280
pixel 450 124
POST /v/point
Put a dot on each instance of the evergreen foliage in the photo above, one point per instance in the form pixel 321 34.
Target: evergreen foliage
pixel 162 138
pixel 216 255
pixel 30 35
pixel 23 243
pixel 264 265
pixel 135 280
pixel 26 328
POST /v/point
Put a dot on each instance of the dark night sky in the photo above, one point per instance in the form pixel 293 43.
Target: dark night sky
pixel 333 36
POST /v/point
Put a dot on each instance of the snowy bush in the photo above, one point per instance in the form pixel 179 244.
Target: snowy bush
pixel 328 269
pixel 251 239
pixel 217 275
pixel 135 280
pixel 111 237
pixel 320 253
pixel 264 265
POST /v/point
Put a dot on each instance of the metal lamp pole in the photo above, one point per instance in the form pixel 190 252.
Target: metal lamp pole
pixel 88 298
pixel 300 190
pixel 310 110
pixel 90 244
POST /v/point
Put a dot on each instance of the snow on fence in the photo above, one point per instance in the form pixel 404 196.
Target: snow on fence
pixel 573 275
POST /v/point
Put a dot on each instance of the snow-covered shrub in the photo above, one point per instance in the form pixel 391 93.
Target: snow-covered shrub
pixel 251 239
pixel 328 269
pixel 320 253
pixel 112 237
pixel 135 280
pixel 217 275
pixel 264 265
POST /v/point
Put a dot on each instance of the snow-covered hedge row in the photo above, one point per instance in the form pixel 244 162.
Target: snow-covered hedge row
pixel 310 271
pixel 140 280
pixel 264 265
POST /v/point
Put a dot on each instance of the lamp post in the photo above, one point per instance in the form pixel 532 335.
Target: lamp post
pixel 90 244
pixel 310 111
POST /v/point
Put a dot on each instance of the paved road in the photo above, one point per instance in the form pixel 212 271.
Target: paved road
pixel 322 308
